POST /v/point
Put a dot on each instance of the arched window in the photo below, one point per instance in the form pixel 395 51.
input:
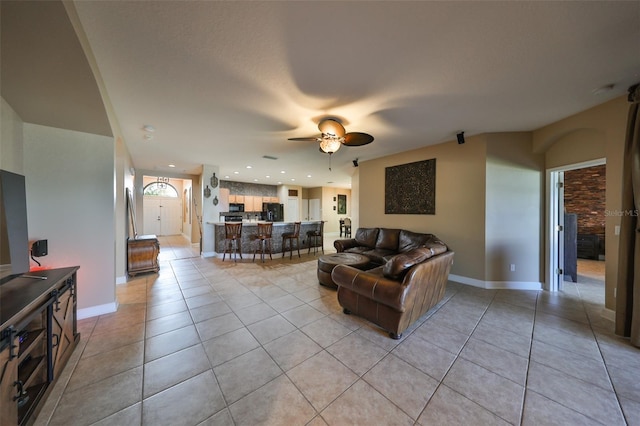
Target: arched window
pixel 160 190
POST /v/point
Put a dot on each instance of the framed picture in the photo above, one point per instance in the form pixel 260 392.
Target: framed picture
pixel 342 204
pixel 411 188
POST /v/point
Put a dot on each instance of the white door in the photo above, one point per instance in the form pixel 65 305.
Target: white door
pixel 314 209
pixel 162 215
pixel 305 209
pixel 293 210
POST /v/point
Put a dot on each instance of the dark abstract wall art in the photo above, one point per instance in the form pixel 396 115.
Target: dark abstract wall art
pixel 411 188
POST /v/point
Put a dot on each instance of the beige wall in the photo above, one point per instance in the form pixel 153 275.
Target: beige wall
pixel 329 215
pixel 70 201
pixel 11 151
pixel 514 217
pixel 460 199
pixel 70 183
pixel 592 134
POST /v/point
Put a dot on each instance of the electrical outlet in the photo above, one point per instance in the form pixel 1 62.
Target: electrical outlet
pixel 512 267
pixel 617 230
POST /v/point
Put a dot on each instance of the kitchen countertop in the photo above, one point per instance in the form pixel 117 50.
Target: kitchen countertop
pixel 246 222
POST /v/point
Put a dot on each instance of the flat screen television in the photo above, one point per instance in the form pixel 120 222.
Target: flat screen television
pixel 14 235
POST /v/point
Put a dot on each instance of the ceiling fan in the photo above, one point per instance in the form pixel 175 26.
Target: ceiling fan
pixel 334 136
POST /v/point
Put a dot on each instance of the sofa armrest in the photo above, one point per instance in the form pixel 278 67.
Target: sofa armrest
pixel 393 293
pixel 376 287
pixel 342 245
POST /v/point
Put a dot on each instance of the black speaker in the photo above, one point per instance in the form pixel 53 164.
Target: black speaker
pixel 460 137
pixel 355 163
pixel 39 248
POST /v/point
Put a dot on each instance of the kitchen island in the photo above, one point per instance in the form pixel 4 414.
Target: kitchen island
pixel 250 229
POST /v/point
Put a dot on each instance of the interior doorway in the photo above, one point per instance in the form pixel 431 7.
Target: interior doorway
pixel 575 223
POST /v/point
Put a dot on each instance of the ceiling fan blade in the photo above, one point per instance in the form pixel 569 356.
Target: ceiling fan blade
pixel 332 127
pixel 357 139
pixel 310 139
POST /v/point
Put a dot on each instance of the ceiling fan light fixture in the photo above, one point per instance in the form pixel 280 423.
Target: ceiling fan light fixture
pixel 330 145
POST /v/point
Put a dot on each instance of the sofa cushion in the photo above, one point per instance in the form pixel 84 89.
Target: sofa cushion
pixel 359 250
pixel 378 255
pixel 397 267
pixel 408 240
pixel 367 237
pixel 388 239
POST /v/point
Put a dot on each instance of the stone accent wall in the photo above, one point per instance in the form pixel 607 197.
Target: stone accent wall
pixel 254 189
pixel 584 194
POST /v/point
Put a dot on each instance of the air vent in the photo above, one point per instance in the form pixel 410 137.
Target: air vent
pixel 269 157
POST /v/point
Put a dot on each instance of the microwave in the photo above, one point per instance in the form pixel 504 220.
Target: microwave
pixel 236 207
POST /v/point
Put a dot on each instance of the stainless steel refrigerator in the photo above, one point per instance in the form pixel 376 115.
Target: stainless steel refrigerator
pixel 272 212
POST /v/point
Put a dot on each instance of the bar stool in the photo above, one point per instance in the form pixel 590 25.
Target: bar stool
pixel 347 227
pixel 232 240
pixel 263 238
pixel 290 236
pixel 315 234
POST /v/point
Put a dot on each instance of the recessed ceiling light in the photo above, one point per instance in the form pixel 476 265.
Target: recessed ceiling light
pixel 236 173
pixel 282 171
pixel 172 165
pixel 267 176
pixel 249 167
pixel 148 128
pixel 308 175
pixel 255 180
pixel 293 180
pixel 226 177
pixel 148 136
pixel 279 182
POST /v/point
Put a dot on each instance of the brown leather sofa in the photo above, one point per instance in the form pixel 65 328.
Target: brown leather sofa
pixel 411 277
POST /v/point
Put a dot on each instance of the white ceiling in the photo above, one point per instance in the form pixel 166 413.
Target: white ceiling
pixel 225 83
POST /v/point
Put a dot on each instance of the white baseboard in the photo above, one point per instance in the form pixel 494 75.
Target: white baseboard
pixel 94 311
pixel 496 285
pixel 121 280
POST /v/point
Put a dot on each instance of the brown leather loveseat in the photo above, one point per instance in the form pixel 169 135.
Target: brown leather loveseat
pixel 409 279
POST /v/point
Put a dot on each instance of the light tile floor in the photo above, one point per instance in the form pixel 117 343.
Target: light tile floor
pixel 211 343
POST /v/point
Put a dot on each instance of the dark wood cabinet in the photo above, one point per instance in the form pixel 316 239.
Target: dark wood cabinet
pixel 142 254
pixel 38 334
pixel 588 246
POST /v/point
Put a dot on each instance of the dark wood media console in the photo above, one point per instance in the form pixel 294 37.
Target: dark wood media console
pixel 37 336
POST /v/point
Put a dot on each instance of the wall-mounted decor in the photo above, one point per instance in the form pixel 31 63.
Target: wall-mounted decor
pixel 411 188
pixel 133 232
pixel 342 204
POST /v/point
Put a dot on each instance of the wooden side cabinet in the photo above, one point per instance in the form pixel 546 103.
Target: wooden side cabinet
pixel 37 336
pixel 142 254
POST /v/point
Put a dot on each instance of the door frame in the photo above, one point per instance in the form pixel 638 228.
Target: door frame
pixel 554 219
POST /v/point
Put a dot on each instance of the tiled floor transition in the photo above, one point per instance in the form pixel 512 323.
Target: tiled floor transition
pixel 211 343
